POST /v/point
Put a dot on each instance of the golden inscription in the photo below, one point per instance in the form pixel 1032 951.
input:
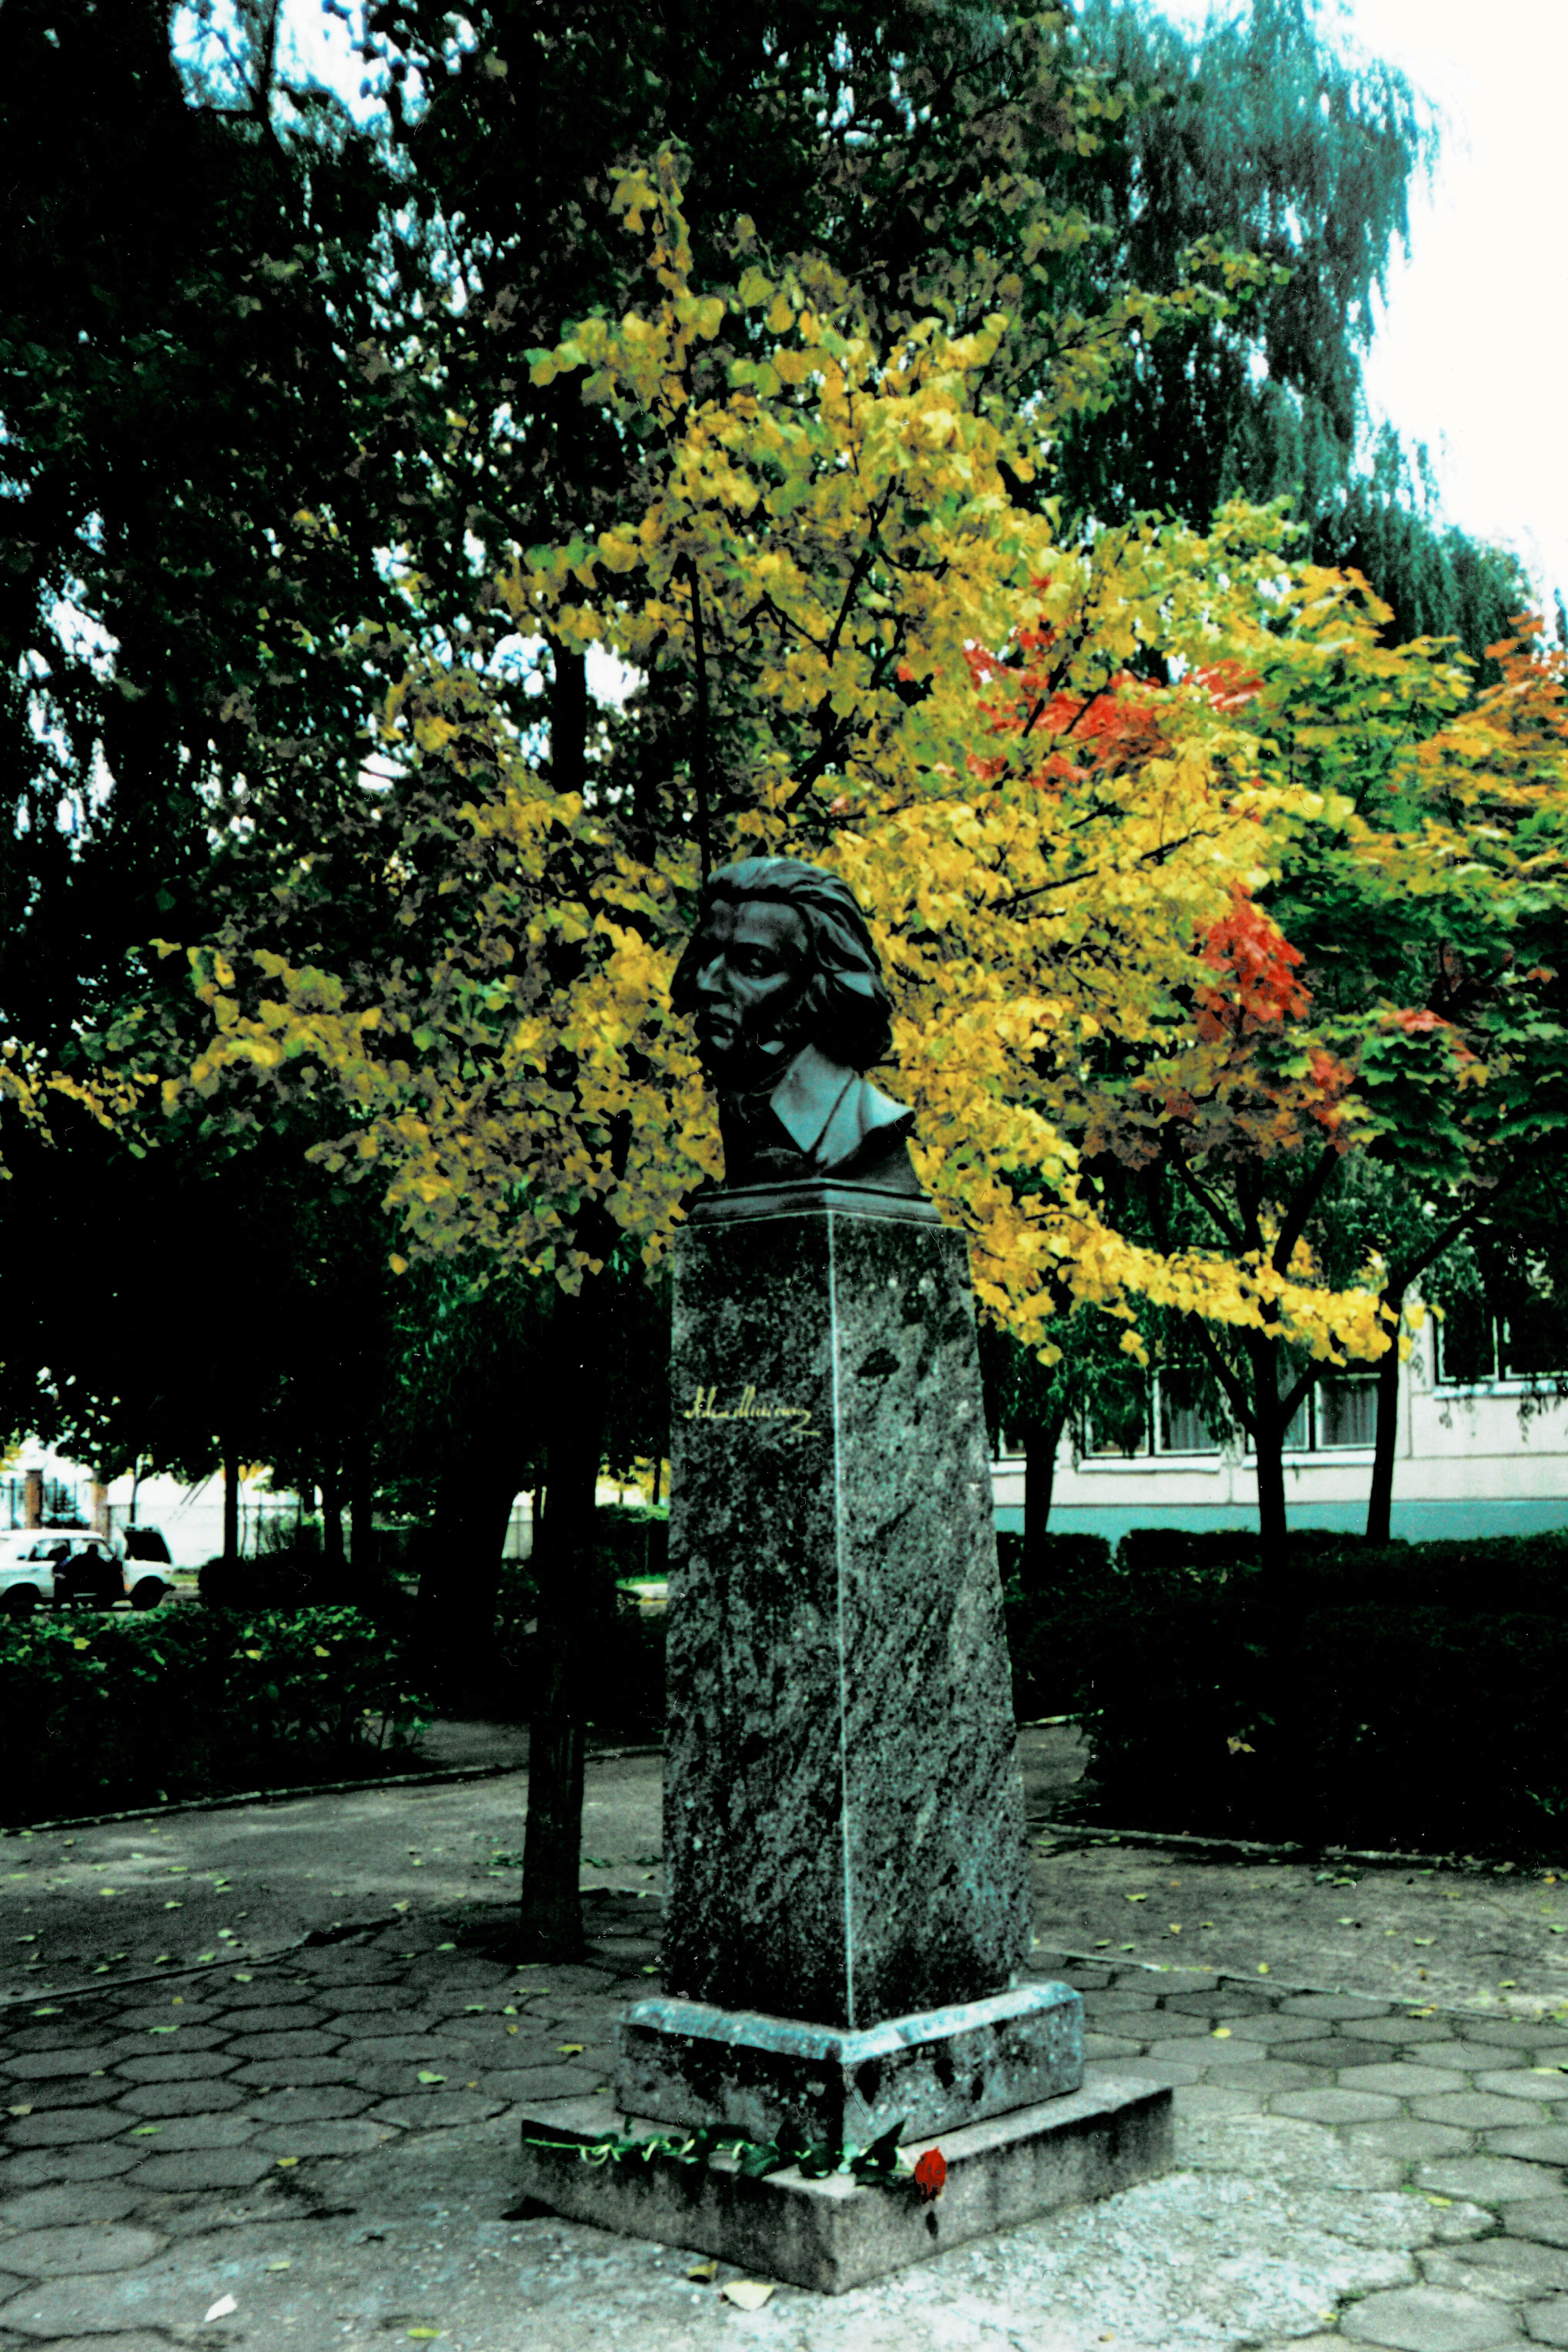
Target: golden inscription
pixel 706 1407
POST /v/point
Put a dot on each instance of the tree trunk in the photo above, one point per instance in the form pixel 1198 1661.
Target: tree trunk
pixel 331 1516
pixel 1380 1501
pixel 567 1570
pixel 231 1506
pixel 1041 1444
pixel 361 1513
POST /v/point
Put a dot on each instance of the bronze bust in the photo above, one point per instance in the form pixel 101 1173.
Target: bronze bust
pixel 791 1011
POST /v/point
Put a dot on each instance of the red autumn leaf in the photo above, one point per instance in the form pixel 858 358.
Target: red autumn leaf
pixel 930 2175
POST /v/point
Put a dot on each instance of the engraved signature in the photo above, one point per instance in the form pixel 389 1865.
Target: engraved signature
pixel 708 1408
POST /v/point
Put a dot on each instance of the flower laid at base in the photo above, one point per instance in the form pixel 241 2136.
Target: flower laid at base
pixel 884 2160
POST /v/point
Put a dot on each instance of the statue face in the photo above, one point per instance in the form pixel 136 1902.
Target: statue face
pixel 753 962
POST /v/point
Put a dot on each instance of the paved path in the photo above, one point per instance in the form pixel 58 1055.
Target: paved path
pixel 326 2140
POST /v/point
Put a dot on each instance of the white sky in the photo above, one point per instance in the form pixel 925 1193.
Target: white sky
pixel 1471 354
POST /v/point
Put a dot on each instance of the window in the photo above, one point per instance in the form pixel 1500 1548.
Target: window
pixel 1345 1410
pixel 1522 1336
pixel 1158 1413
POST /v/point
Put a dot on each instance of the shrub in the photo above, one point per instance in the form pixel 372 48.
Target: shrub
pixel 1423 1706
pixel 104 1712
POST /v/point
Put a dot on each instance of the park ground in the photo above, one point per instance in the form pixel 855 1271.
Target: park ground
pixel 265 2064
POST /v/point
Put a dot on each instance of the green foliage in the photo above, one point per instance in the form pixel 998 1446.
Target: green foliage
pixel 106 1713
pixel 1425 1707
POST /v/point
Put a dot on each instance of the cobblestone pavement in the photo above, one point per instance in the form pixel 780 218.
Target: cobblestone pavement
pixel 319 2151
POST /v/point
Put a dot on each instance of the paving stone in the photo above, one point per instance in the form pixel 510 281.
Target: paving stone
pixel 70 2252
pixel 1337 2057
pixel 143 2013
pixel 1109 2045
pixel 153 2099
pixel 196 2131
pixel 1165 2071
pixel 1518 2033
pixel 1218 2008
pixel 294 2074
pixel 71 2091
pixel 1337 2005
pixel 254 2047
pixel 270 2015
pixel 177 2067
pixel 1117 1998
pixel 1526 2267
pixel 307 2106
pixel 1547 2322
pixel 1207 2099
pixel 1177 2025
pixel 345 2139
pixel 1524 2083
pixel 1335 2106
pixel 1398 2027
pixel 1412 2140
pixel 68 2312
pixel 1541 2143
pixel 1469 2057
pixel 1269 2026
pixel 1402 2081
pixel 1487 2179
pixel 1427 2319
pixel 43 2209
pixel 36 2166
pixel 1264 2075
pixel 400 2049
pixel 77 2124
pixel 1544 2218
pixel 351 1997
pixel 1472 2110
pixel 1202 2051
pixel 432 2110
pixel 209 2168
pixel 150 2042
pixel 46 2065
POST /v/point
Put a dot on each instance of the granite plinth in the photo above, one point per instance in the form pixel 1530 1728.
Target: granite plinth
pixel 844 1818
pixel 686 2063
pixel 834 2234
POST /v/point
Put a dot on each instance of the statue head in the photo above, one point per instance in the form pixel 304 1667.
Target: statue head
pixel 781 959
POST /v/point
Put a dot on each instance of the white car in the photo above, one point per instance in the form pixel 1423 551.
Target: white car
pixel 42 1566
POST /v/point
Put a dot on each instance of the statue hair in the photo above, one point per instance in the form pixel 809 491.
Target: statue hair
pixel 846 1005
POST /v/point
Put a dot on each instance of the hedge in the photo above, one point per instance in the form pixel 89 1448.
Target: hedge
pixel 106 1713
pixel 1413 1697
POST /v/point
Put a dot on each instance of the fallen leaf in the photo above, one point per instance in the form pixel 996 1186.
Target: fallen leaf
pixel 446 1947
pixel 162 2029
pixel 1220 2033
pixel 747 2294
pixel 1423 1939
pixel 399 1906
pixel 284 2265
pixel 1175 1927
pixel 1137 1898
pixel 1438 2200
pixel 146 2131
pixel 424 2334
pixel 570 2048
pixel 243 1976
pixel 203 1957
pixel 222 2308
pixel 1262 1967
pixel 705 2273
pixel 284 2161
pixel 18 2111
pixel 431 2078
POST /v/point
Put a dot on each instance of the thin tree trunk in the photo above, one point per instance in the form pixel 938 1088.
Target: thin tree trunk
pixel 331 1516
pixel 1380 1500
pixel 459 1585
pixel 567 1572
pixel 231 1506
pixel 1042 1444
pixel 361 1513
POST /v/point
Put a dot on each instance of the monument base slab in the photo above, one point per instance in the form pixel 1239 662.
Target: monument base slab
pixel 834 2234
pixel 689 2063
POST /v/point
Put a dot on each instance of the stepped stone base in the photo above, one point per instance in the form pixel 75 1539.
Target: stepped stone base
pixel 689 2063
pixel 831 2235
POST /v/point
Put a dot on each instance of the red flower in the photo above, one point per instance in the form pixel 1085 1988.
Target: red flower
pixel 930 2175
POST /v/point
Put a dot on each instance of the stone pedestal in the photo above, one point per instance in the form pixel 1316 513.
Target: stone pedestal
pixel 847 1900
pixel 843 1817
